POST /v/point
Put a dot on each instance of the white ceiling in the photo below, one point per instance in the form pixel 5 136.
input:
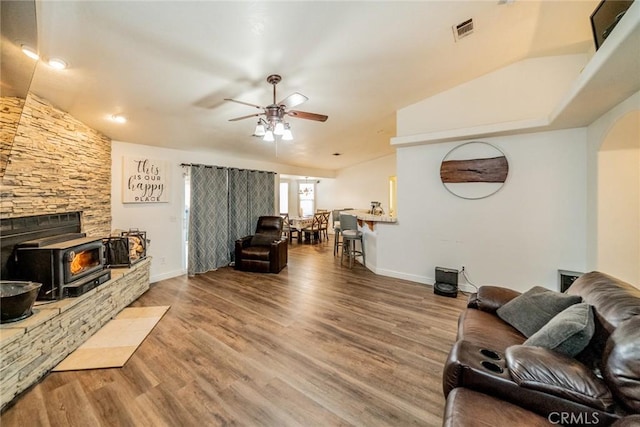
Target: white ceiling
pixel 167 66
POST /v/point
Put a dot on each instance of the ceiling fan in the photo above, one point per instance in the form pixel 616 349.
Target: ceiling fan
pixel 275 122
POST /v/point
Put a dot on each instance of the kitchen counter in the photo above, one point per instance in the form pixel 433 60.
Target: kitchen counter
pixel 365 217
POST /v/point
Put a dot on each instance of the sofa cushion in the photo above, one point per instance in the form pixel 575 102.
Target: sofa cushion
pixel 615 301
pixel 487 330
pixel 256 253
pixel 533 309
pixel 622 364
pixel 568 332
pixel 262 239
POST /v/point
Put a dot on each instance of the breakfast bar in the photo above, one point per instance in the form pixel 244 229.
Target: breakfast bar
pixel 371 225
pixel 364 216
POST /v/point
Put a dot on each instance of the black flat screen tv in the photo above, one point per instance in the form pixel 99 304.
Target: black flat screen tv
pixel 606 17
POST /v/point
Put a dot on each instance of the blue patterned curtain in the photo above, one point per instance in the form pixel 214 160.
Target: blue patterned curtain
pixel 261 193
pixel 225 206
pixel 208 220
pixel 240 224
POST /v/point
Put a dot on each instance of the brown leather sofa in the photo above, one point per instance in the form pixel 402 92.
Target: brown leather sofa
pixel 266 250
pixel 491 378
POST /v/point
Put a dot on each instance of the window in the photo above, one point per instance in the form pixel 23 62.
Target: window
pixel 306 198
pixel 284 197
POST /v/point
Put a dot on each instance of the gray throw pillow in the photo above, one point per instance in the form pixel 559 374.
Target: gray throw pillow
pixel 262 239
pixel 568 333
pixel 533 309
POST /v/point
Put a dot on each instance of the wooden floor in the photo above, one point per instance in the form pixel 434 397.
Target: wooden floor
pixel 316 345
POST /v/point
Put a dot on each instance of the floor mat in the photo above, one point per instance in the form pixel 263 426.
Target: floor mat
pixel 116 341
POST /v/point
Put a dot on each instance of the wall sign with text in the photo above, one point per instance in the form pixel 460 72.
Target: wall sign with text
pixel 145 180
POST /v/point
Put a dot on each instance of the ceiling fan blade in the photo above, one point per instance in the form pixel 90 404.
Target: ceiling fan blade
pixel 308 116
pixel 245 117
pixel 244 103
pixel 293 100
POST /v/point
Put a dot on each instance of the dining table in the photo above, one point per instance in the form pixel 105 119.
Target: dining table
pixel 300 223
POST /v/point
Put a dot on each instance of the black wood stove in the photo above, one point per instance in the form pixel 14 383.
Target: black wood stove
pixel 51 250
pixel 67 265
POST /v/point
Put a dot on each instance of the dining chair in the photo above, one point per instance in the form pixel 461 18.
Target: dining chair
pixel 324 225
pixel 286 227
pixel 313 230
pixel 350 235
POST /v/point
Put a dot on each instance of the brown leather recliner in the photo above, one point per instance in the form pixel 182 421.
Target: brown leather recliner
pixel 488 364
pixel 266 250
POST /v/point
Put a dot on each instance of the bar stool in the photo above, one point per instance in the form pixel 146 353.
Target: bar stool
pixel 350 234
pixel 335 218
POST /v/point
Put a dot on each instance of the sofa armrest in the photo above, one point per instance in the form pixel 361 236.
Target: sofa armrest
pixel 553 373
pixel 278 255
pixel 491 298
pixel 243 242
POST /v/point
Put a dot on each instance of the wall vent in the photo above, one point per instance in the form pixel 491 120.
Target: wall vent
pixel 463 29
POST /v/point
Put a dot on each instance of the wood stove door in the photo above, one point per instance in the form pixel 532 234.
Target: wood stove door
pixel 82 260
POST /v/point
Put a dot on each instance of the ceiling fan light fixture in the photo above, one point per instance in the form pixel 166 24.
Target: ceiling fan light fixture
pixel 260 131
pixel 287 135
pixel 268 136
pixel 274 124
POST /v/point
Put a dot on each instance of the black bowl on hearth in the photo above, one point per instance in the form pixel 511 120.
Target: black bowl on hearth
pixel 16 299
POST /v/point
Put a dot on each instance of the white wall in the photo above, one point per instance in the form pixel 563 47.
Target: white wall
pixel 163 222
pixel 359 185
pixel 613 202
pixel 619 200
pixel 528 89
pixel 353 187
pixel 519 237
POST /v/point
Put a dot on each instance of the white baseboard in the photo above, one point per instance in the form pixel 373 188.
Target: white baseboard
pixel 405 276
pixel 167 275
pixel 425 280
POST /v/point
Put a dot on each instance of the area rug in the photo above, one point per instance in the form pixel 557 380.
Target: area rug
pixel 116 341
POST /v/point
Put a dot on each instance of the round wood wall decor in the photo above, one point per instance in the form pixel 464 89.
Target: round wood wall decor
pixel 474 170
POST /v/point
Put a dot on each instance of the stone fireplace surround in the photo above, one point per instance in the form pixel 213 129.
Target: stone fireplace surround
pixel 57 164
pixel 31 347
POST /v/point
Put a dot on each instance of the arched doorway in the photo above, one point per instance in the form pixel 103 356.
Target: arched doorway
pixel 618 235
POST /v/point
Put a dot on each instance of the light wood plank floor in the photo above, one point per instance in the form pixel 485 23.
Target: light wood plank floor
pixel 316 345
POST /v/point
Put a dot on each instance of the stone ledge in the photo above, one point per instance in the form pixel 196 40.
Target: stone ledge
pixel 32 347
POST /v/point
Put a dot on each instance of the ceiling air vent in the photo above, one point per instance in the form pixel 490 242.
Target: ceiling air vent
pixel 463 29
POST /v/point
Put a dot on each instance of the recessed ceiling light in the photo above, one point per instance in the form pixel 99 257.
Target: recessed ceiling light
pixel 57 63
pixel 119 118
pixel 30 52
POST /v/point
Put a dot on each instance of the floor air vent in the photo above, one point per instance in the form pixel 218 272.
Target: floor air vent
pixel 463 29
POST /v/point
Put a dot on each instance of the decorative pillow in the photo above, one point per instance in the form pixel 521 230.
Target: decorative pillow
pixel 261 239
pixel 568 333
pixel 533 309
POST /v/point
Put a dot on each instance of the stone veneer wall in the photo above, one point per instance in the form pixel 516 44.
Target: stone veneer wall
pixel 31 347
pixel 58 164
pixel 10 110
